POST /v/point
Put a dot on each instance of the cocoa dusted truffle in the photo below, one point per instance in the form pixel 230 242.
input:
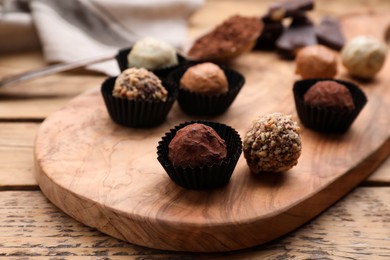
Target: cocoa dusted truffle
pixel 139 84
pixel 330 95
pixel 234 36
pixel 205 78
pixel 272 144
pixel 316 61
pixel 196 145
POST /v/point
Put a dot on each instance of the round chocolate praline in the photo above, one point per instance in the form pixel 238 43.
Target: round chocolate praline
pixel 272 144
pixel 139 84
pixel 196 145
pixel 316 61
pixel 330 95
pixel 205 78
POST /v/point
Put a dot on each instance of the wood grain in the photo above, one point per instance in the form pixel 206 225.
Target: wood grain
pixel 132 198
pixel 16 159
pixel 16 156
pixel 349 229
pixel 32 227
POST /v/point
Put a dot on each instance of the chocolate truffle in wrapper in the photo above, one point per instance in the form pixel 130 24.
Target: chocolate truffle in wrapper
pixel 272 144
pixel 220 148
pixel 205 78
pixel 139 84
pixel 196 145
pixel 331 95
pixel 137 98
pixel 325 106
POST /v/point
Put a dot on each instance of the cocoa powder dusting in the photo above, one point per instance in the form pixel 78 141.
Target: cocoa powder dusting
pixel 229 36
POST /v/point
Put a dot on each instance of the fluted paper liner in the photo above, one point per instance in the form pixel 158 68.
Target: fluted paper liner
pixel 323 119
pixel 137 114
pixel 203 104
pixel 208 176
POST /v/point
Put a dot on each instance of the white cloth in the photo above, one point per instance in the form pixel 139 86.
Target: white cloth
pixel 71 30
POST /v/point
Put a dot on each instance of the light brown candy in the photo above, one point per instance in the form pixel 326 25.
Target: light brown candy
pixel 316 61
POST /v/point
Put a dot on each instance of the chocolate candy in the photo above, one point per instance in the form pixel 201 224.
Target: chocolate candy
pixel 329 33
pixel 231 35
pixel 329 95
pixel 196 145
pixel 300 33
pixel 271 32
pixel 205 78
pixel 272 144
pixel 139 84
pixel 387 34
pixel 278 11
pixel 363 56
pixel 316 61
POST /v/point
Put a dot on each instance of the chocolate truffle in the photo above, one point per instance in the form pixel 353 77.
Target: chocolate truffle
pixel 205 78
pixel 152 54
pixel 272 144
pixel 329 95
pixel 316 61
pixel 139 84
pixel 363 56
pixel 196 145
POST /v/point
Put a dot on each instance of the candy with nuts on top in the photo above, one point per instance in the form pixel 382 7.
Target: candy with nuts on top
pixel 139 84
pixel 272 144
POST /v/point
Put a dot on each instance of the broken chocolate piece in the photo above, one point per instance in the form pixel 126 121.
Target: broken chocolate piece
pixel 299 34
pixel 271 32
pixel 329 33
pixel 387 34
pixel 290 8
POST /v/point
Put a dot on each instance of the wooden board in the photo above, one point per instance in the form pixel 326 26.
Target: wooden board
pixel 107 176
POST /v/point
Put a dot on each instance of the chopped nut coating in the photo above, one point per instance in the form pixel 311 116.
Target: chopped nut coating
pixel 139 84
pixel 272 144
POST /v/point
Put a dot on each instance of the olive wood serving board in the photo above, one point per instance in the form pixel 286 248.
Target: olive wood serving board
pixel 108 177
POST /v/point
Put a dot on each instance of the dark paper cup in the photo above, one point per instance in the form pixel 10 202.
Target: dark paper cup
pixel 205 177
pixel 207 105
pixel 138 114
pixel 121 59
pixel 323 119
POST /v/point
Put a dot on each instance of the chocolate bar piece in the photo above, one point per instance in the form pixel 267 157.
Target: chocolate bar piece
pixel 291 8
pixel 329 33
pixel 271 32
pixel 387 34
pixel 299 34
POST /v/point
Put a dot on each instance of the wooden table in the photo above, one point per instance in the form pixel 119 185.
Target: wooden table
pixel 357 227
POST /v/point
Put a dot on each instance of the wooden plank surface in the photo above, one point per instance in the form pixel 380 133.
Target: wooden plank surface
pixel 347 230
pixel 30 226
